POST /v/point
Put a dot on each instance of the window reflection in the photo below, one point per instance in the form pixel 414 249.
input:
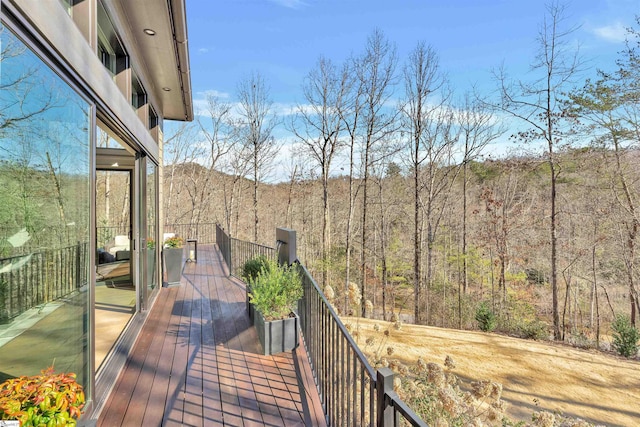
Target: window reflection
pixel 44 217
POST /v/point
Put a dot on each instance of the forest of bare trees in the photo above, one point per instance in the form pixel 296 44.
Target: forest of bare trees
pixel 393 185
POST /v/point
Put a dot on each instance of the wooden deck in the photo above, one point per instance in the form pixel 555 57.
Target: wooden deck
pixel 197 362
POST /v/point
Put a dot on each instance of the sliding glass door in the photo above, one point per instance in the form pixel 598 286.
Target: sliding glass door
pixel 151 247
pixel 127 259
pixel 115 286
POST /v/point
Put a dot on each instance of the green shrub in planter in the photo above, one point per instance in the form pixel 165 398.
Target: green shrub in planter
pixel 252 268
pixel 275 290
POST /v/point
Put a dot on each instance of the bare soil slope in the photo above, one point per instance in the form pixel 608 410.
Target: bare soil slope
pixel 594 386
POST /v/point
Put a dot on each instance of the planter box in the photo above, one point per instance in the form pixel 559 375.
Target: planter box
pixel 173 265
pixel 276 336
pixel 250 308
pixel 151 268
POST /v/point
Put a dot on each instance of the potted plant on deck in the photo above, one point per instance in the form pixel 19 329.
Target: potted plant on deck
pixel 172 254
pixel 273 294
pixel 250 271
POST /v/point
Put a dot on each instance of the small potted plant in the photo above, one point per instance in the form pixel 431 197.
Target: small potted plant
pixel 172 254
pixel 42 400
pixel 273 294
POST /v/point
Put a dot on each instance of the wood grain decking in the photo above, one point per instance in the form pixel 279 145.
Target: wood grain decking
pixel 197 362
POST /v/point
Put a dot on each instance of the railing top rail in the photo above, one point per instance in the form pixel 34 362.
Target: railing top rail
pixel 363 359
pixel 253 244
pixel 41 251
pixel 408 414
pixel 198 224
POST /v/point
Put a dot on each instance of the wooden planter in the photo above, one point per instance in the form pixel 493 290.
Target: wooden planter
pixel 173 265
pixel 276 336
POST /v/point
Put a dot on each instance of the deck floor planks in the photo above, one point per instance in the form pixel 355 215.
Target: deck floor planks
pixel 174 409
pixel 198 362
pixel 164 344
pixel 159 320
pixel 211 404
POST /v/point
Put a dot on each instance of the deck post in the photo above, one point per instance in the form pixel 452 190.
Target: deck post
pixel 384 385
pixel 286 246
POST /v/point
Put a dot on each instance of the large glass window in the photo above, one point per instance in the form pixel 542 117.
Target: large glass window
pixel 44 217
pixel 138 94
pixel 110 49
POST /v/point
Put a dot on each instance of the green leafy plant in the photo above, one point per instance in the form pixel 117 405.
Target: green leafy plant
pixel 625 336
pixel 252 268
pixel 486 318
pixel 151 244
pixel 48 399
pixel 275 290
pixel 174 242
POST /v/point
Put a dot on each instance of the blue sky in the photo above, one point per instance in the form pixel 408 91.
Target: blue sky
pixel 283 39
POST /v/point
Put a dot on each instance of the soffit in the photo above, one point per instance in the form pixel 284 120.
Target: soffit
pixel 165 54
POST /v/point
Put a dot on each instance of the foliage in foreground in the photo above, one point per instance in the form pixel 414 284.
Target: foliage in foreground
pixel 625 336
pixel 48 399
pixel 253 267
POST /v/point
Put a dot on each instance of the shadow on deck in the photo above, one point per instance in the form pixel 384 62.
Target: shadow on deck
pixel 198 362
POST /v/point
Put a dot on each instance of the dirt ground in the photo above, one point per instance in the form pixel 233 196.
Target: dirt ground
pixel 597 387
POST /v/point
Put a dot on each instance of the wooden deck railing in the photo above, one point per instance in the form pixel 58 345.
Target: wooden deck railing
pixel 352 392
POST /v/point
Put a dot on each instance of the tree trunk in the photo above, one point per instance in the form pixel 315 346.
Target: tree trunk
pixel 363 238
pixel 465 280
pixel 417 247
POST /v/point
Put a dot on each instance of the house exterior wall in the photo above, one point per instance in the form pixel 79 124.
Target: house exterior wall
pixel 56 95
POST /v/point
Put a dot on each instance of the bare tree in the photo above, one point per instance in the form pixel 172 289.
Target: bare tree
pixel 506 203
pixel 236 165
pixel 178 151
pixel 350 116
pixel 217 130
pixel 375 73
pixel 422 79
pixel 608 113
pixel 318 126
pixel 478 128
pixel 538 104
pixel 436 179
pixel 257 126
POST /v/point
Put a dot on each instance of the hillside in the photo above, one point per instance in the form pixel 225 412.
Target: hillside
pixel 601 388
pixel 506 232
